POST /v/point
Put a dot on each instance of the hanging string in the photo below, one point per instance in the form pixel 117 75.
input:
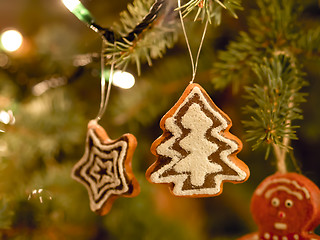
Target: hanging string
pixel 105 93
pixel 194 65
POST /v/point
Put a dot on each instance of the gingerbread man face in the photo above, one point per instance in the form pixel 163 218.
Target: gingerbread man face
pixel 286 205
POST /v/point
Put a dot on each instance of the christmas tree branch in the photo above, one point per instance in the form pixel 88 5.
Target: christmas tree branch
pixel 211 9
pixel 273 105
pixel 138 44
pixel 270 50
pixel 274 26
pixel 281 165
pixel 281 153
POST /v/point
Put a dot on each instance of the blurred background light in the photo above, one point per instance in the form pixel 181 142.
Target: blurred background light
pixel 123 79
pixel 11 40
pixel 4 60
pixel 7 117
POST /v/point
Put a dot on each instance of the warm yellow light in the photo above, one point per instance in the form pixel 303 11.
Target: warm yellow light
pixel 7 117
pixel 123 79
pixel 71 4
pixel 11 40
pixel 4 117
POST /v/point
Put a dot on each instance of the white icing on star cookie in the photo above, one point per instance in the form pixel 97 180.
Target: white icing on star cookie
pixel 105 168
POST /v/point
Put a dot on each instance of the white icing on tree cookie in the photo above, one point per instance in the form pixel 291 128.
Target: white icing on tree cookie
pixel 196 152
pixel 199 148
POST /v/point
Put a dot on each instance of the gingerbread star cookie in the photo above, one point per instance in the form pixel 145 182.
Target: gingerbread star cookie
pixel 196 152
pixel 105 168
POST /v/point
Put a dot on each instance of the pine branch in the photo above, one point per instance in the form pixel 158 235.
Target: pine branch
pixel 310 42
pixel 146 33
pixel 273 103
pixel 234 64
pixel 211 9
pixel 274 26
pixel 266 57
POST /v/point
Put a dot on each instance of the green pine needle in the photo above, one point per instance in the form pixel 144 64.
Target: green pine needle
pixel 210 9
pixel 162 33
pixel 267 58
pixel 150 44
pixel 273 104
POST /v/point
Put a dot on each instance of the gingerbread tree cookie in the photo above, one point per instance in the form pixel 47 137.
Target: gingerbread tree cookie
pixel 105 168
pixel 196 152
pixel 285 207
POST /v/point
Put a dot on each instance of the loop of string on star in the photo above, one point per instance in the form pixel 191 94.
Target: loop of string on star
pixel 105 90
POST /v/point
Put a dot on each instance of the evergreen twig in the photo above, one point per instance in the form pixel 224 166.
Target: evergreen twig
pixel 273 105
pixel 146 34
pixel 211 9
pixel 141 43
pixel 270 50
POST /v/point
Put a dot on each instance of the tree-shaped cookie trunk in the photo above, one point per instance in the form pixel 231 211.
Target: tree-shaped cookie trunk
pixel 196 152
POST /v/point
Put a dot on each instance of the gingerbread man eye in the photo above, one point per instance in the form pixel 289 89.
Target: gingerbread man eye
pixel 275 202
pixel 288 203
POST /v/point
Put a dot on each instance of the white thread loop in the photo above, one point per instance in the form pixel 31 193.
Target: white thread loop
pixel 105 93
pixel 193 65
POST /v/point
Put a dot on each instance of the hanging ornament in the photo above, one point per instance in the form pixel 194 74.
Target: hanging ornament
pixel 196 152
pixel 105 168
pixel 285 207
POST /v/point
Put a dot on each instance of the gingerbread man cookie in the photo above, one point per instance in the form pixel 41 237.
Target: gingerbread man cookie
pixel 105 168
pixel 285 207
pixel 196 152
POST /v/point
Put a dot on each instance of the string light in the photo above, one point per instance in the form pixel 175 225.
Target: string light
pixel 11 40
pixel 79 10
pixel 7 117
pixel 121 79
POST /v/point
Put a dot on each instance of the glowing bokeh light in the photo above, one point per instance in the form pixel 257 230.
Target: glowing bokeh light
pixel 11 40
pixel 4 117
pixel 71 4
pixel 123 79
pixel 7 117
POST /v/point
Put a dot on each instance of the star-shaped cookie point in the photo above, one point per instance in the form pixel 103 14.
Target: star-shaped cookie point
pixel 105 168
pixel 196 153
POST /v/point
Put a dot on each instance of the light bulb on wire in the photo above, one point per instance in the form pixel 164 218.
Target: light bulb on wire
pixel 7 117
pixel 11 40
pixel 79 10
pixel 121 79
pixel 71 4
